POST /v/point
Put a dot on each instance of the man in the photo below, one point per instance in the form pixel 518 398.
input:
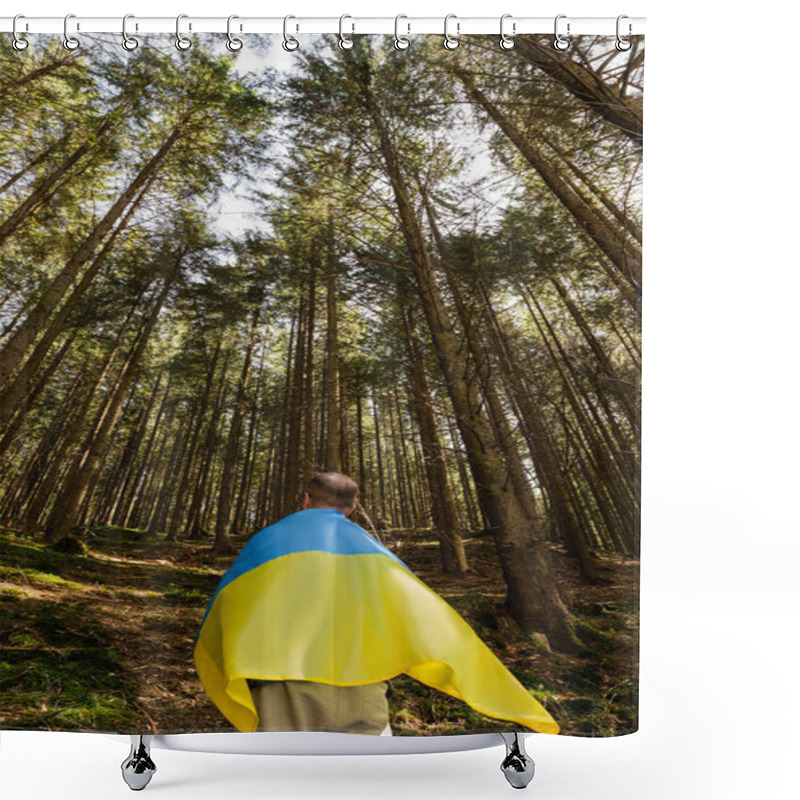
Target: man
pixel 315 616
pixel 312 706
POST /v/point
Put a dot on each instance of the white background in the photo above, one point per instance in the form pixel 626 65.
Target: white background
pixel 720 539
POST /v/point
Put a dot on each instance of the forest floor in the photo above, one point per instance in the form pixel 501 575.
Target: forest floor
pixel 102 640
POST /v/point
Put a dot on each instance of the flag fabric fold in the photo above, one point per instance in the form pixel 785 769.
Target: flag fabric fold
pixel 316 598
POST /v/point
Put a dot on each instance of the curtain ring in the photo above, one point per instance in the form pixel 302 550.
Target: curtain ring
pixel 506 42
pixel 128 42
pixel 18 42
pixel 70 42
pixel 345 42
pixel 181 42
pixel 450 42
pixel 289 42
pixel 233 44
pixel 623 44
pixel 560 43
pixel 400 42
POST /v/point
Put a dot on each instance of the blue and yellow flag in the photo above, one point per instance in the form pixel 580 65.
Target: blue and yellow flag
pixel 316 598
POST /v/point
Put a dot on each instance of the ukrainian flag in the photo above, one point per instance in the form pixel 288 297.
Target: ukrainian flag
pixel 316 598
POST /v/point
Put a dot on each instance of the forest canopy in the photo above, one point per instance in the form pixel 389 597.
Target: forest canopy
pixel 221 273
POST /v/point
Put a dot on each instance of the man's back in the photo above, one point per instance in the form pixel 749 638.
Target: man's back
pixel 315 598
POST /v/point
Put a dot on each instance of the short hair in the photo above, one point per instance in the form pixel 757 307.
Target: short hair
pixel 332 489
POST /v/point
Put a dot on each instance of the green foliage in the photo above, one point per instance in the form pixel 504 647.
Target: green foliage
pixel 185 596
pixel 72 688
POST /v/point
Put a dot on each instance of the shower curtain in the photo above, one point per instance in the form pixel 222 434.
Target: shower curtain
pixel 228 269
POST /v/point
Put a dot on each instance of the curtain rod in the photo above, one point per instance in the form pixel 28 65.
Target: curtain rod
pixel 573 26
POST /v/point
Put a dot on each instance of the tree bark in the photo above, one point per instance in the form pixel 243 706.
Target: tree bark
pixel 308 391
pixel 74 491
pixel 626 394
pixel 38 503
pixel 623 113
pixel 13 393
pixel 611 241
pixel 544 456
pixel 32 394
pixel 333 409
pixel 44 189
pixel 193 526
pixel 445 520
pixel 123 472
pixel 24 336
pixel 225 498
pixel 293 443
pixel 533 598
pixel 139 484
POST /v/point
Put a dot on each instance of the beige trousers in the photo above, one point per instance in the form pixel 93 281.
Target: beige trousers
pixel 310 706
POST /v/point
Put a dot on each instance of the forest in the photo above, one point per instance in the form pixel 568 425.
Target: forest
pixel 221 272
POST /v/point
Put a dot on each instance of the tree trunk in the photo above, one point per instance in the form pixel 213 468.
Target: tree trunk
pixel 32 394
pixel 626 393
pixel 606 479
pixel 186 465
pixel 445 520
pixel 12 394
pixel 44 189
pixel 308 391
pixel 123 471
pixel 37 504
pixel 19 491
pixel 74 491
pixel 193 527
pixel 623 254
pixel 623 219
pixel 225 499
pixel 44 157
pixel 504 435
pixel 533 598
pixel 379 457
pixel 24 336
pixel 242 506
pixel 139 484
pixel 542 452
pixel 622 112
pixel 293 443
pixel 473 515
pixel 333 409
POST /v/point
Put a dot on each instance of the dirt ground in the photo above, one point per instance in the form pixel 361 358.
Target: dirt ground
pixel 102 640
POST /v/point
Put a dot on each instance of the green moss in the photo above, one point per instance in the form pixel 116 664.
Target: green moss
pixel 37 578
pixel 184 596
pixel 24 639
pixel 72 688
pixel 594 638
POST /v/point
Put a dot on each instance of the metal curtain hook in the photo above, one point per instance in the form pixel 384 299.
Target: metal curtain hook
pixel 400 42
pixel 70 42
pixel 450 42
pixel 345 42
pixel 128 42
pixel 623 44
pixel 233 44
pixel 289 42
pixel 560 43
pixel 181 42
pixel 506 42
pixel 18 42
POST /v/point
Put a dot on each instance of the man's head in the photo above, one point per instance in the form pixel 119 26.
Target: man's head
pixel 331 490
